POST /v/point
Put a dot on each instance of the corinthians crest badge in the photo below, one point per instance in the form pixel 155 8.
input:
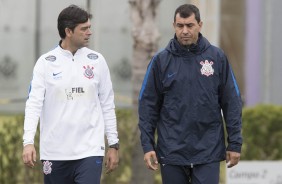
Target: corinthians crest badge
pixel 47 169
pixel 88 73
pixel 207 69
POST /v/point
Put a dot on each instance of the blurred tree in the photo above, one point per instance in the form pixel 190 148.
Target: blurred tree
pixel 145 38
pixel 262 133
pixel 232 37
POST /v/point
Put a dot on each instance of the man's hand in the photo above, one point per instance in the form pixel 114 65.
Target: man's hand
pixel 232 158
pixel 112 159
pixel 151 160
pixel 29 155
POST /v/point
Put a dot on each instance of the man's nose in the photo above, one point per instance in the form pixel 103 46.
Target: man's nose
pixel 89 32
pixel 185 30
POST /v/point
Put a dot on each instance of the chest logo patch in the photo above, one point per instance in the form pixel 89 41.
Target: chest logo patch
pixel 88 72
pixel 207 68
pixel 51 58
pixel 92 56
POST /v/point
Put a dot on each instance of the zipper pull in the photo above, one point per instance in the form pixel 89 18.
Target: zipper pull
pixel 191 165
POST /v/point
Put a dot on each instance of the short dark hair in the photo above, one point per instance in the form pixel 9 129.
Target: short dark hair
pixel 70 17
pixel 186 10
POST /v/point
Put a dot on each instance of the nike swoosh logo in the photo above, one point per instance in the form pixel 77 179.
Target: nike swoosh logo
pixel 55 74
pixel 170 74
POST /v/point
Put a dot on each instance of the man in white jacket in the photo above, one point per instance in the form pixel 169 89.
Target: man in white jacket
pixel 71 92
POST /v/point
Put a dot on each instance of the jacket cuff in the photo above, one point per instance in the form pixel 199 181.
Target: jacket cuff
pixel 234 148
pixel 147 149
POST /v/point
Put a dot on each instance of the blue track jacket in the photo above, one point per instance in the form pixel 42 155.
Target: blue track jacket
pixel 183 95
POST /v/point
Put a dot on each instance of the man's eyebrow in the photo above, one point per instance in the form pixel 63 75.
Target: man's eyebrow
pixel 185 24
pixel 84 27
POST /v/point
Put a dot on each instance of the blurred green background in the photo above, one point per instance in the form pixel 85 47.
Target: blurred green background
pixel 262 133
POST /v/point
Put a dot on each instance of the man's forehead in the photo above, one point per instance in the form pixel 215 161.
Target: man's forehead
pixel 187 20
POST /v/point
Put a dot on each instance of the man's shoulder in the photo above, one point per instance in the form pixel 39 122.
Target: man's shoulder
pixel 216 49
pixel 50 55
pixel 87 50
pixel 91 54
pixel 162 53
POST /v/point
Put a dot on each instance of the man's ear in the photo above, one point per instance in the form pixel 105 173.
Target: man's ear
pixel 201 25
pixel 68 32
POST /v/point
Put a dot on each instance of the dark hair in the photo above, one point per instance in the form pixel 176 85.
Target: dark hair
pixel 70 17
pixel 186 10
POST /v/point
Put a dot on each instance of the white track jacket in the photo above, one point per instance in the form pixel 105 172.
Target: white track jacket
pixel 73 96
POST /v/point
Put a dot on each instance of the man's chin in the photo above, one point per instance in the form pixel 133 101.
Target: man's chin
pixel 186 44
pixel 85 44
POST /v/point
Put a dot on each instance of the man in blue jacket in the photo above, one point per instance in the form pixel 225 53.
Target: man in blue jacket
pixel 186 90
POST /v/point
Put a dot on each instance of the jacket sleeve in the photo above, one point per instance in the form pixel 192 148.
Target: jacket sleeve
pixel 150 99
pixel 34 102
pixel 106 97
pixel 231 104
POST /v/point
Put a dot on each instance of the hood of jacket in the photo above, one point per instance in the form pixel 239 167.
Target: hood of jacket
pixel 176 49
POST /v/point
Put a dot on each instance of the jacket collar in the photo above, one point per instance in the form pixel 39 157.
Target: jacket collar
pixel 177 49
